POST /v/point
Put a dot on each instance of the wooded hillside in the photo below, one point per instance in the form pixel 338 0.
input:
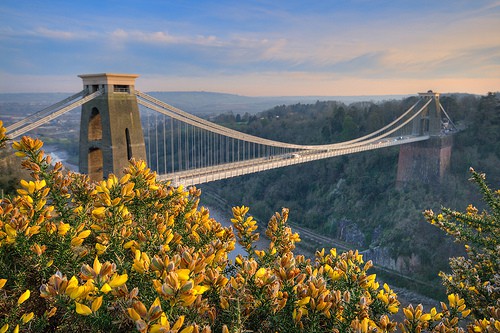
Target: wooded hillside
pixel 354 198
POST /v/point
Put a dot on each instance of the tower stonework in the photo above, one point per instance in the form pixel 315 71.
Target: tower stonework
pixel 110 129
pixel 426 161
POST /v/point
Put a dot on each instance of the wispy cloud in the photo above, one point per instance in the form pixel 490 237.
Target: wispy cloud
pixel 157 37
pixel 56 34
pixel 44 33
pixel 354 41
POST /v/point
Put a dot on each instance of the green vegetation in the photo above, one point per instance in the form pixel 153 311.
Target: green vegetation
pixel 475 277
pixel 134 254
pixel 354 198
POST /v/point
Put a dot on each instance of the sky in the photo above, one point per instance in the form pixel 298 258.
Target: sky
pixel 254 47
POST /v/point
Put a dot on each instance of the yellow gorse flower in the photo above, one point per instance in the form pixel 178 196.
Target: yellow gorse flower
pixel 99 212
pixel 118 280
pixel 183 274
pixel 106 288
pixel 27 317
pixel 63 228
pixel 11 232
pixel 96 304
pixel 24 296
pixel 82 309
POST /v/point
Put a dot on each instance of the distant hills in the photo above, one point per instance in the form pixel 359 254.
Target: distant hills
pixel 215 103
pixel 200 102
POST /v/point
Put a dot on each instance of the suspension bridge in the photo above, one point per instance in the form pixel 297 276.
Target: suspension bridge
pixel 189 150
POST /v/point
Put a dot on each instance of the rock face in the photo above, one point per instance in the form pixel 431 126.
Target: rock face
pixel 402 264
pixel 350 233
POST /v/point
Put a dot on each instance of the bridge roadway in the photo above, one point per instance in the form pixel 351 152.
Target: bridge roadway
pixel 228 170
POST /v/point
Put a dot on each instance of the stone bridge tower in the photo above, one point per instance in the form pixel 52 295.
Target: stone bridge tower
pixel 426 161
pixel 110 129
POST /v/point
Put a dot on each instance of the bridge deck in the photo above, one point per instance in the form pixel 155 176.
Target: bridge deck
pixel 228 170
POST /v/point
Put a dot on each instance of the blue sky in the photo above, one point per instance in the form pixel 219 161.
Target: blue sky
pixel 255 48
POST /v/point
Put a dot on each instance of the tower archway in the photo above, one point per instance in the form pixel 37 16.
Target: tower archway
pixel 95 163
pixel 110 131
pixel 95 125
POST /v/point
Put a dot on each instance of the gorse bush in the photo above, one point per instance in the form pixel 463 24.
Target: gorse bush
pixel 476 278
pixel 130 253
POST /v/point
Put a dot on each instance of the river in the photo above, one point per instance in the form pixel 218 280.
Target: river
pixel 58 155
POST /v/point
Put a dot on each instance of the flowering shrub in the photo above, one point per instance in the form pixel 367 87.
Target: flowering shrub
pixel 133 254
pixel 476 279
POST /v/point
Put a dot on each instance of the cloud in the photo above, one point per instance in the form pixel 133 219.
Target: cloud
pixel 44 33
pixel 55 34
pixel 473 62
pixel 161 38
pixel 158 37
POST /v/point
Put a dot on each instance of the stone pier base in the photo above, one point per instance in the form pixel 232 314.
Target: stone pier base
pixel 424 161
